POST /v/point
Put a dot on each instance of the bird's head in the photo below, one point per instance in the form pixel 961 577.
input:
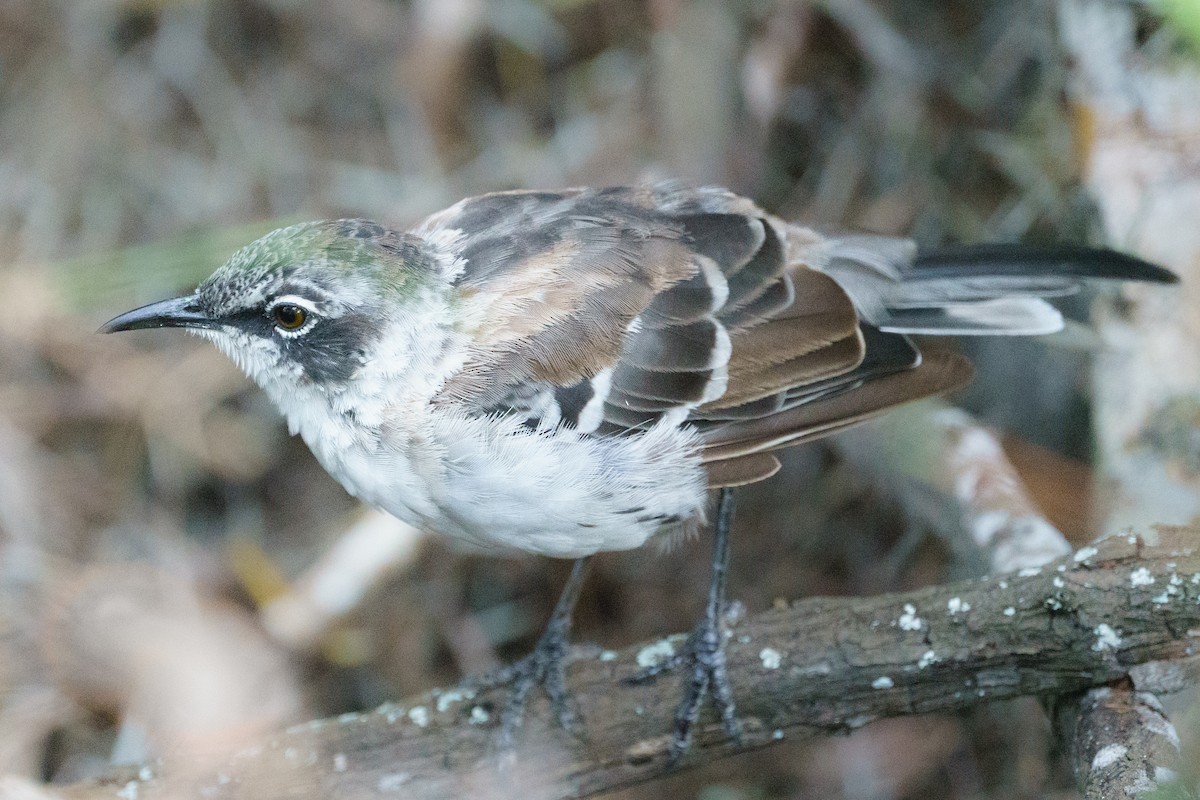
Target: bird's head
pixel 304 306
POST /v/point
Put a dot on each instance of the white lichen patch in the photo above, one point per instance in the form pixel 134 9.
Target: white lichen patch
pixel 1153 720
pixel 1161 599
pixel 909 621
pixel 956 605
pixel 770 657
pixel 1140 577
pixel 825 668
pixel 882 682
pixel 1164 775
pixel 777 734
pixel 1053 603
pixel 145 774
pixel 479 716
pixel 654 654
pixel 1058 582
pixel 1106 638
pixel 339 762
pixel 1029 572
pixel 310 725
pixel 348 717
pixel 927 658
pixel 392 781
pixel 130 792
pixel 447 699
pixel 1108 755
pixel 1140 784
pixel 1003 584
pixel 1084 553
pixel 1010 611
pixel 419 715
pixel 608 655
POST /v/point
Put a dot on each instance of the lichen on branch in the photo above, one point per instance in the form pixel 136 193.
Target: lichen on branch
pixel 817 666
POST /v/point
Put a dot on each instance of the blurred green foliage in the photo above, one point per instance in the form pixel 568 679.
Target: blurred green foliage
pixel 100 282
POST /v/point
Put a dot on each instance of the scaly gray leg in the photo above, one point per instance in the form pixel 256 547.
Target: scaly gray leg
pixel 704 653
pixel 545 666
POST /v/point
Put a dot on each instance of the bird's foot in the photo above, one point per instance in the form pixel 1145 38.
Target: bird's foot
pixel 546 666
pixel 703 657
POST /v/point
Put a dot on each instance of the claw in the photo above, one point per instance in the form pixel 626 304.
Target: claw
pixel 708 677
pixel 546 666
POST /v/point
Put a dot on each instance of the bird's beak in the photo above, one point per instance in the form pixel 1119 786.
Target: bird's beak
pixel 179 312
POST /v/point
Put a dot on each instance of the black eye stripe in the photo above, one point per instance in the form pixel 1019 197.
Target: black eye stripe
pixel 332 350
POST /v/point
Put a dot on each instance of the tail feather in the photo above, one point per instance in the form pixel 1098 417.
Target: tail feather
pixel 1009 260
pixel 1001 316
pixel 990 289
pixel 913 292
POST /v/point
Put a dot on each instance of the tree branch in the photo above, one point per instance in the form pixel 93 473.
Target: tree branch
pixel 818 666
pixel 1121 743
pixel 1008 533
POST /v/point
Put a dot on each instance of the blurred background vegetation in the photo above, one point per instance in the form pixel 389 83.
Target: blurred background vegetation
pixel 153 511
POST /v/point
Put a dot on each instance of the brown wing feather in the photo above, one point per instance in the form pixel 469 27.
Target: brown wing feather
pixel 938 373
pixel 668 300
pixel 757 381
pixel 741 471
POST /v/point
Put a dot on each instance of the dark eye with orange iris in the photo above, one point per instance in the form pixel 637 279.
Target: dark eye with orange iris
pixel 289 317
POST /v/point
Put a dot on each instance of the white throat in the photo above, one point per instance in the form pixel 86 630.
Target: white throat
pixel 367 430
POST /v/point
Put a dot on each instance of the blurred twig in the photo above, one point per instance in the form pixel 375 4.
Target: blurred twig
pixel 933 455
pixel 368 551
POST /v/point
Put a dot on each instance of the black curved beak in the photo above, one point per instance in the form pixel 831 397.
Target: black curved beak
pixel 179 312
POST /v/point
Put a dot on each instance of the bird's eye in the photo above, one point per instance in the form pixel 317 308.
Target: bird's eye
pixel 289 317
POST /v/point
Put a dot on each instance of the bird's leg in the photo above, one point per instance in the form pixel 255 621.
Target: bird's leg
pixel 704 653
pixel 545 666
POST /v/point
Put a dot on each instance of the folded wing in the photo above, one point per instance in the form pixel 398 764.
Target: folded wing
pixel 614 310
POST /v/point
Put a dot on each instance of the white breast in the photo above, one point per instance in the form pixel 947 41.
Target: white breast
pixel 495 484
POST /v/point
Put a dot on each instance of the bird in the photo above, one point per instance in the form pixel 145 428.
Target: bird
pixel 568 372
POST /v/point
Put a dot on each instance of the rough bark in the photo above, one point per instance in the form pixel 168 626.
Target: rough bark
pixel 1121 743
pixel 818 666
